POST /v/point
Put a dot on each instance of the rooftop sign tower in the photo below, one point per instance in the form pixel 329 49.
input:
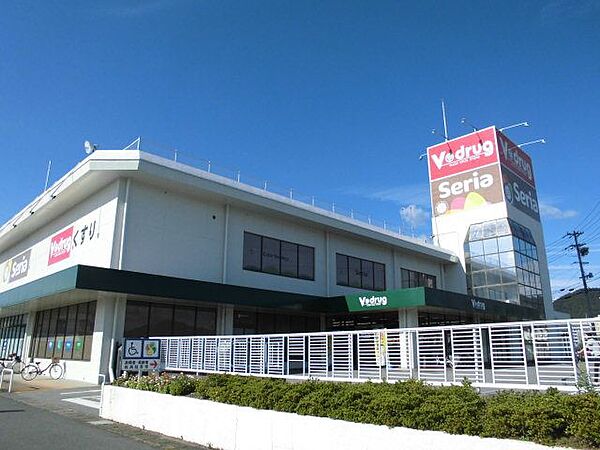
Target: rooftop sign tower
pixel 485 208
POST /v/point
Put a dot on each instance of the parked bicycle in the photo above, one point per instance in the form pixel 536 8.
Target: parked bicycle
pixel 31 371
pixel 15 363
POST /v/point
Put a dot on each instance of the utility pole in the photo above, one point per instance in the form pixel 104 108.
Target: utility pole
pixel 581 250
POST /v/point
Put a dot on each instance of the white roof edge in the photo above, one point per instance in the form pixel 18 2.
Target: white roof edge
pixel 83 167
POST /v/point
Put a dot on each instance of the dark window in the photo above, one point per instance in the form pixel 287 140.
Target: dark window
pixel 354 274
pixel 206 321
pixel 306 262
pixel 412 279
pixel 341 269
pixel 359 273
pixel 64 332
pixel 269 255
pixel 184 319
pixel 12 334
pixel 252 245
pixel 289 259
pixel 367 274
pixel 161 320
pixel 136 319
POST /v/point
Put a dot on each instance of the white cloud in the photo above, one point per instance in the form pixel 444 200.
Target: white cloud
pixel 414 215
pixel 410 194
pixel 552 212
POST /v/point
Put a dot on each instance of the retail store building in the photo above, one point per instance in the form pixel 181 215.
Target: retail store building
pixel 130 244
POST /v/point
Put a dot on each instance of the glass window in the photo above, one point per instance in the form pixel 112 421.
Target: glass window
pixel 206 321
pixel 89 331
pixel 492 260
pixel 80 328
pixel 490 246
pixel 70 332
pixel 62 332
pixel 479 279
pixel 378 277
pixel 289 259
pixel 476 248
pixel 507 259
pixel 341 269
pixel 505 244
pixel 270 255
pixel 161 320
pixel 244 322
pixel 354 275
pixel 184 318
pixel 493 277
pixel 252 249
pixel 136 319
pixel 411 279
pixel 306 262
pixel 367 274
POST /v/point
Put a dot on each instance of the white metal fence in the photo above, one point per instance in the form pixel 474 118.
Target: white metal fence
pixel 523 355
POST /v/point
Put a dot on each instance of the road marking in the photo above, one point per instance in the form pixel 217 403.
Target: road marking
pixel 101 422
pixel 83 402
pixel 80 392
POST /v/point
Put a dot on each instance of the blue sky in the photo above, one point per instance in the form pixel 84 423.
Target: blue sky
pixel 333 98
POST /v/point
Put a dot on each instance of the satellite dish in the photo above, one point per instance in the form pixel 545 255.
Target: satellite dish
pixel 89 147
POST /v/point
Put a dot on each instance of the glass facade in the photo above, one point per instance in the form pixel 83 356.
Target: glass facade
pixel 268 255
pixel 359 273
pixel 502 263
pixel 64 333
pixel 12 334
pixel 412 279
pixel 143 319
pixel 254 321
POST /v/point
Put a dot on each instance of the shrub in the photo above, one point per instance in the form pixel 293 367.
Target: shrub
pixel 547 417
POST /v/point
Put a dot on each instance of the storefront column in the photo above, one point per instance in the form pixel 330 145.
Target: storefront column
pixel 224 320
pixel 408 318
pixel 28 337
pixel 108 332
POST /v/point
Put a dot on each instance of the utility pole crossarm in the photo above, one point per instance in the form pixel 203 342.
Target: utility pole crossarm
pixel 577 246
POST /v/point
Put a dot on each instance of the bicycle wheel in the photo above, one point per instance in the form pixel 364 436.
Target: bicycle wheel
pixel 29 372
pixel 56 371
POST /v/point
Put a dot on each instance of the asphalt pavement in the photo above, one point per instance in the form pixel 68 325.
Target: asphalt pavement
pixel 64 415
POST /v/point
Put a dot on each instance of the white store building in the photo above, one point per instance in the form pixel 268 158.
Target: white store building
pixel 129 244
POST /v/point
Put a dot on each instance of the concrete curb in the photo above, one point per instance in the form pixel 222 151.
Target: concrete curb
pixel 230 427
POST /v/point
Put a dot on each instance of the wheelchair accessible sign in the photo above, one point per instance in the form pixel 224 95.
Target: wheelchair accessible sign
pixel 141 355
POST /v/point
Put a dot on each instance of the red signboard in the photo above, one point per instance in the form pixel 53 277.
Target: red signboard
pixel 465 153
pixel 60 246
pixel 515 159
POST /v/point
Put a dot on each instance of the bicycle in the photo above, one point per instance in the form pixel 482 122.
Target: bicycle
pixel 16 363
pixel 32 370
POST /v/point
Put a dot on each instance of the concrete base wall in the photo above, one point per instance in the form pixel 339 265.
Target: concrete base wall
pixel 230 427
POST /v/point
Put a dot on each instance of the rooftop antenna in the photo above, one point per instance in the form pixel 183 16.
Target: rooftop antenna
pixel 464 121
pixel 435 131
pixel 537 141
pixel 520 124
pixel 89 147
pixel 445 121
pixel 135 145
pixel 47 175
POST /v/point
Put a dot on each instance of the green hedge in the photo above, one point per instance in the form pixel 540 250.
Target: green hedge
pixel 546 417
